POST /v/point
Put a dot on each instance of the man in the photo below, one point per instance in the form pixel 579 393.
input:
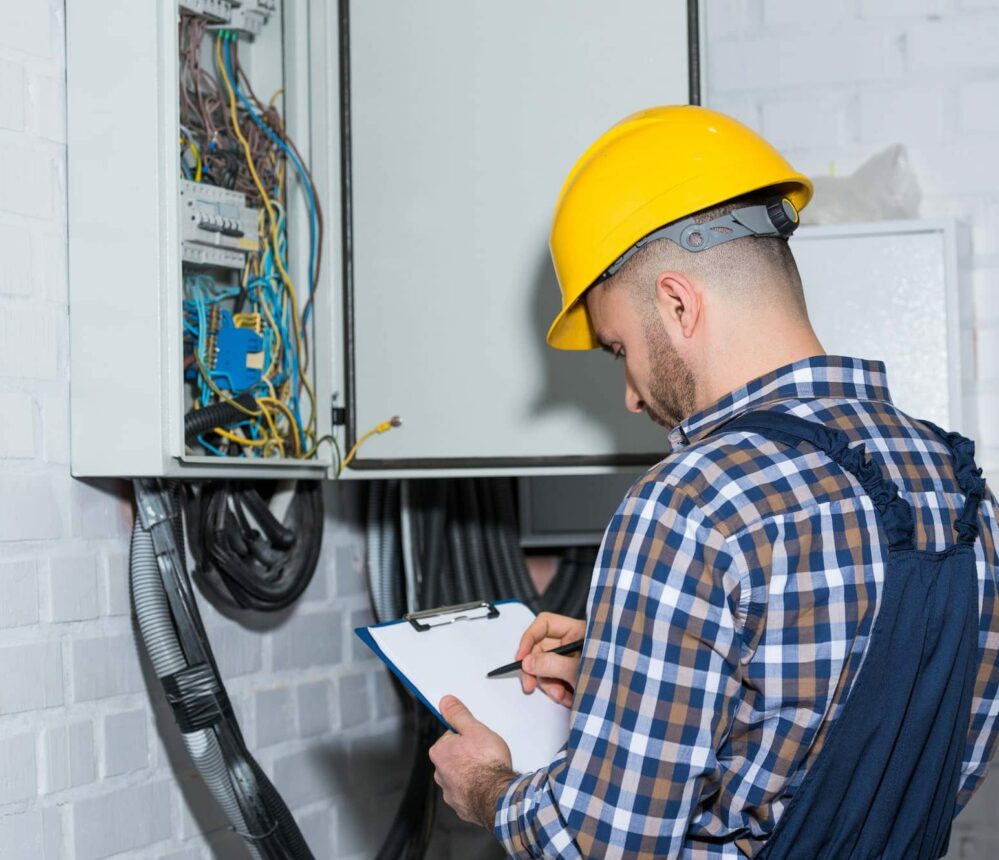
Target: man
pixel 790 644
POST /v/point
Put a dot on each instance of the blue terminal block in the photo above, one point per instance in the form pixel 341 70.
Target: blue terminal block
pixel 239 356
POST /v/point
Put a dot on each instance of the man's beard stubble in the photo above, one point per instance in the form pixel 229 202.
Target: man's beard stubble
pixel 671 384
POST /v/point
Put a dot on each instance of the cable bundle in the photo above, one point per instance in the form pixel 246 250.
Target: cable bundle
pixel 174 637
pixel 231 139
pixel 440 542
pixel 245 556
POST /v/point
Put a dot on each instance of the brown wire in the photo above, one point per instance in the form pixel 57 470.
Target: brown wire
pixel 273 118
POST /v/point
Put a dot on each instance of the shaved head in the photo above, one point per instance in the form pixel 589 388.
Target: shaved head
pixel 755 270
pixel 690 325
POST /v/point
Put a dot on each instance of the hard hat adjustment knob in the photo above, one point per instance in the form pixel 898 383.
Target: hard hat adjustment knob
pixel 783 216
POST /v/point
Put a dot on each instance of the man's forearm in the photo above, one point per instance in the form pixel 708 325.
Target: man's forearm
pixel 489 785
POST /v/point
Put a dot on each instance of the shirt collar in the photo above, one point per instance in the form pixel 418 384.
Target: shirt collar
pixel 830 376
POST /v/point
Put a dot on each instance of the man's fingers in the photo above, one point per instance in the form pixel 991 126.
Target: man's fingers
pixel 459 717
pixel 528 682
pixel 553 666
pixel 557 692
pixel 548 625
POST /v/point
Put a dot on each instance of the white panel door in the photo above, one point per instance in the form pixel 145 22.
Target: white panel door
pixel 466 117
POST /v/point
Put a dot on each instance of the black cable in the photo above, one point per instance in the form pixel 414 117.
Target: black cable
pixel 265 569
pixel 504 493
pixel 197 693
pixel 459 556
pixel 469 521
pixel 492 538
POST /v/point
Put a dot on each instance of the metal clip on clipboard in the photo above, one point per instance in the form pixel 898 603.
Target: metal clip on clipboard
pixel 442 615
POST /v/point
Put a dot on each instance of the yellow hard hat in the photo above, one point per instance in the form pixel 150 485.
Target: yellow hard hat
pixel 652 168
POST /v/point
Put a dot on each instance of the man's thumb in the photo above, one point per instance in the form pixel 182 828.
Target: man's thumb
pixel 457 715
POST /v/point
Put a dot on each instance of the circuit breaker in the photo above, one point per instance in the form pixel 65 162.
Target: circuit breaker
pixel 305 234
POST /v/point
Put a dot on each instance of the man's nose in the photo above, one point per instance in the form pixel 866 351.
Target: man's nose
pixel 632 401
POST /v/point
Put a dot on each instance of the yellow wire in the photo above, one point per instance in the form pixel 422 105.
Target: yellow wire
pixel 242 440
pixel 275 436
pixel 218 391
pixel 384 427
pixel 293 424
pixel 220 62
pixel 308 455
pixel 197 160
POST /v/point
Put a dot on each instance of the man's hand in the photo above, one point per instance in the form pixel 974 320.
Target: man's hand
pixel 473 765
pixel 555 674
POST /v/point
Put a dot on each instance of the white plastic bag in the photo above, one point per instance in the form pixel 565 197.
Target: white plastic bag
pixel 883 187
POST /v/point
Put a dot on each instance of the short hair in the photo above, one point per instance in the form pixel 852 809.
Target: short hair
pixel 767 261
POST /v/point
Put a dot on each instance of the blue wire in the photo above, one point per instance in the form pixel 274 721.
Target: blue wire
pixel 212 448
pixel 313 219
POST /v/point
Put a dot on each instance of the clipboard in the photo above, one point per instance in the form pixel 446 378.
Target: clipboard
pixel 450 649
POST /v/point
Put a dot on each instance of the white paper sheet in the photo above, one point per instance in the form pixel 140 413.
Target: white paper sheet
pixel 454 659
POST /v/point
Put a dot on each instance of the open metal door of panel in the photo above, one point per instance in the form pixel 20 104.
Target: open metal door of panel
pixel 461 121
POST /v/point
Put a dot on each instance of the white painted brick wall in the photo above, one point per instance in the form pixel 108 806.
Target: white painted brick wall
pixel 90 763
pixel 834 82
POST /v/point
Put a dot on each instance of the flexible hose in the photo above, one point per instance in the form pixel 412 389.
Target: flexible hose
pixel 152 612
pixel 199 421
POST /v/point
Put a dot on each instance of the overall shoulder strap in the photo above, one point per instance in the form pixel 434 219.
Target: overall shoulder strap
pixel 790 430
pixel 969 479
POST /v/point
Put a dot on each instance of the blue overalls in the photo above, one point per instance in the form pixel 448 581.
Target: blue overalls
pixel 885 782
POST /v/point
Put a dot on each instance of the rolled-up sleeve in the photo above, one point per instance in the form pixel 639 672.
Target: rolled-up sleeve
pixel 659 679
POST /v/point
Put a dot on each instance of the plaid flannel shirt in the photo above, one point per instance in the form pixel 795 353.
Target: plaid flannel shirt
pixel 729 612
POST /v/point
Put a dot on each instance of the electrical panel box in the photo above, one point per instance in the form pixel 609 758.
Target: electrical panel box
pixel 321 216
pixel 201 342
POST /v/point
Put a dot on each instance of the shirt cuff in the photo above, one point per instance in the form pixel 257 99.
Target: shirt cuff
pixel 510 808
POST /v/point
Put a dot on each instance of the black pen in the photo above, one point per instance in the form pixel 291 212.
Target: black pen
pixel 568 648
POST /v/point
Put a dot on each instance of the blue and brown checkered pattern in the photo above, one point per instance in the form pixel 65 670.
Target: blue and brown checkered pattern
pixel 729 613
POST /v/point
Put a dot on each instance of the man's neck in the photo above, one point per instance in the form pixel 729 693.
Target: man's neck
pixel 733 367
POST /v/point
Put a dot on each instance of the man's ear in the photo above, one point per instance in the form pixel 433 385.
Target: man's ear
pixel 679 301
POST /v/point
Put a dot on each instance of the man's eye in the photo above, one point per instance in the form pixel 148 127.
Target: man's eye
pixel 619 355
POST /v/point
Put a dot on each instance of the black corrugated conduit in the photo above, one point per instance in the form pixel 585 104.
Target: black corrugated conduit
pixel 152 612
pixel 203 420
pixel 174 636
